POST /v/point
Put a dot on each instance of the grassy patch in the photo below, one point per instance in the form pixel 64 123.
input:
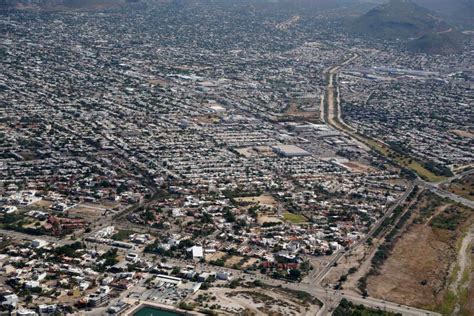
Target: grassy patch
pixel 449 303
pixel 405 161
pixel 402 160
pixel 294 218
pixel 423 172
pixel 122 235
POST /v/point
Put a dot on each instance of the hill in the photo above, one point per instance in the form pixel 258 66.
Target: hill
pixel 399 19
pixel 457 11
pixel 443 43
pixel 422 30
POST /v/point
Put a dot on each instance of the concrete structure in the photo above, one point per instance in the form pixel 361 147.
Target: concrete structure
pixel 290 151
pixel 196 252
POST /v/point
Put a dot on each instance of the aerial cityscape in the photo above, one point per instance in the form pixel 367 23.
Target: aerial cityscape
pixel 236 157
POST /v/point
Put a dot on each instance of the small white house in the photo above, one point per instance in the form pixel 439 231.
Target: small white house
pixel 197 252
pixel 38 243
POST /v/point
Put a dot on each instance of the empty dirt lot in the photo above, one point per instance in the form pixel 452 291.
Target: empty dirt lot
pixel 416 272
pixel 423 264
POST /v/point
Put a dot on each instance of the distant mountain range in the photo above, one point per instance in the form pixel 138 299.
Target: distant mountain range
pixel 460 11
pixel 398 19
pixel 51 4
pixel 421 29
pixel 444 43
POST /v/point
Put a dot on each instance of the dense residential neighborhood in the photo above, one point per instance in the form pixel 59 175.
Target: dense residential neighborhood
pixel 237 157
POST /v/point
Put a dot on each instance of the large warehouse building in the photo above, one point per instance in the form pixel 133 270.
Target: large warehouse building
pixel 290 151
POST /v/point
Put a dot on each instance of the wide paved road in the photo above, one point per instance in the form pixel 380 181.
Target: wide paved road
pixel 322 274
pixel 445 194
pixel 332 116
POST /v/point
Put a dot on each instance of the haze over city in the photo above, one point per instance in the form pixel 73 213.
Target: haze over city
pixel 236 157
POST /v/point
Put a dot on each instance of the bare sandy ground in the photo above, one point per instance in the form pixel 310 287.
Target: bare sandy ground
pixel 267 200
pixel 257 301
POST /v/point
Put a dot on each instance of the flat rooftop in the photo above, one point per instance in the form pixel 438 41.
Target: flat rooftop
pixel 290 150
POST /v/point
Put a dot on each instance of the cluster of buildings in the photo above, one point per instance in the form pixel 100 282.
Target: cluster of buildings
pixel 47 278
pixel 421 106
pixel 137 137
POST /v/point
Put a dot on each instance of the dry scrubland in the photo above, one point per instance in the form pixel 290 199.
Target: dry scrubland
pixel 428 267
pixel 463 187
pixel 249 301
